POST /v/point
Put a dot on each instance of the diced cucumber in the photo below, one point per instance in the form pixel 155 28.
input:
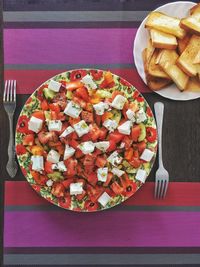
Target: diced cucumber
pixel 104 93
pixel 128 168
pixel 143 132
pixel 47 115
pixel 116 115
pixel 48 93
pixel 69 95
pixel 55 176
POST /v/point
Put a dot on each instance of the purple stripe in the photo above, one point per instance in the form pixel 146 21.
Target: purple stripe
pixel 103 229
pixel 66 46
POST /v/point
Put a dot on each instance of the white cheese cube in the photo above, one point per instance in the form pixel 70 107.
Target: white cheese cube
pixel 100 108
pixel 140 116
pixel 88 82
pixel 117 172
pixel 35 124
pixel 111 125
pixel 87 147
pixel 53 156
pixel 122 145
pixel 104 199
pixel 114 158
pixel 73 110
pixel 59 166
pixel 147 155
pixel 49 183
pixel 141 175
pixel 55 125
pixel 54 86
pixel 76 188
pixel 125 128
pixel 102 174
pixel 37 163
pixel 81 128
pixel 130 115
pixel 67 131
pixel 69 152
pixel 118 102
pixel 104 145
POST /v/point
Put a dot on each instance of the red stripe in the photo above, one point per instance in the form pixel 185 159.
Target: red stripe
pixel 29 80
pixel 179 194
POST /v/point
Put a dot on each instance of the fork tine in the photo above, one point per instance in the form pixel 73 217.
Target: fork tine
pixel 162 189
pixel 165 189
pixel 11 90
pixel 15 85
pixel 8 90
pixel 5 91
pixel 157 189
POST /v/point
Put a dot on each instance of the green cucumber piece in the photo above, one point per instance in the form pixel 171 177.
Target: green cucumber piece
pixel 69 95
pixel 143 132
pixel 55 176
pixel 116 115
pixel 48 93
pixel 104 93
pixel 47 115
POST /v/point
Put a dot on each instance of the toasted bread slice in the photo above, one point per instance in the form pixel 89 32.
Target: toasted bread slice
pixel 150 50
pixel 163 40
pixel 168 63
pixel 182 43
pixel 159 21
pixel 186 59
pixel 197 58
pixel 193 85
pixel 156 84
pixel 154 69
pixel 195 9
pixel 191 23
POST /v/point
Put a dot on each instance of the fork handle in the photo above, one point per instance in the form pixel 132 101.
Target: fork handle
pixel 159 112
pixel 11 166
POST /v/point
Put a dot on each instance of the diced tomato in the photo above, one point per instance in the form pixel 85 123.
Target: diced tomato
pixel 20 149
pixel 91 206
pixel 135 162
pixel 92 178
pixel 129 186
pixel 149 112
pixel 82 92
pixel 125 108
pixel 112 146
pixel 58 190
pixel 89 107
pixel 54 115
pixel 39 92
pixel 39 115
pixel 71 166
pixel 28 140
pixel 128 142
pixel 133 106
pixel 79 101
pixel 116 136
pixel 97 74
pixel 77 75
pixel 73 143
pixel 108 80
pixel 107 115
pixel 67 182
pixel 45 137
pixel 22 125
pixel 103 133
pixel 86 137
pixel 37 150
pixel 78 154
pixel 94 193
pixel 100 162
pixel 94 132
pixel 74 136
pixel 48 166
pixel 60 99
pixel 95 98
pixel 128 154
pixel 151 134
pixel 141 146
pixel 81 196
pixel 135 133
pixel 39 179
pixel 88 160
pixel 44 105
pixel 109 178
pixel 124 82
pixel 97 152
pixel 71 86
pixel 65 201
pixel 116 188
pixel 73 121
pixel 60 149
pixel 98 119
pixel 54 107
pixel 114 94
pixel 87 116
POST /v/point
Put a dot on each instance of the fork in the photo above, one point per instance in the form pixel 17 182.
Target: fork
pixel 162 175
pixel 9 102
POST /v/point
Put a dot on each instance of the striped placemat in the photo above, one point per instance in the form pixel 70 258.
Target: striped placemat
pixel 41 39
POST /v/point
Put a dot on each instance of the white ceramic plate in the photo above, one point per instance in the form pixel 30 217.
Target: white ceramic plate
pixel 178 9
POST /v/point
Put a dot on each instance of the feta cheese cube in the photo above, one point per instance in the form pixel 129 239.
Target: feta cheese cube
pixel 54 86
pixel 37 163
pixel 104 199
pixel 88 82
pixel 100 108
pixel 114 158
pixel 140 116
pixel 55 125
pixel 35 124
pixel 125 128
pixel 59 166
pixel 141 175
pixel 102 174
pixel 73 110
pixel 67 131
pixel 49 183
pixel 76 188
pixel 69 152
pixel 104 145
pixel 118 102
pixel 147 155
pixel 111 125
pixel 87 147
pixel 81 128
pixel 130 115
pixel 117 172
pixel 53 156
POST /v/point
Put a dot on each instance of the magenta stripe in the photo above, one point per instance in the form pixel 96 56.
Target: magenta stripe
pixel 128 229
pixel 67 46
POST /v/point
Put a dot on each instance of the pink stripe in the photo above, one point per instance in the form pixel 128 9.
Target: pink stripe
pixel 131 229
pixel 27 81
pixel 66 46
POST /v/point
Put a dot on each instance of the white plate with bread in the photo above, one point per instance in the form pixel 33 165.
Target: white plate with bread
pixel 167 50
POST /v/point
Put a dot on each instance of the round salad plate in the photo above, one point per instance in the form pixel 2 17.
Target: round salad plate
pixel 177 9
pixel 86 140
